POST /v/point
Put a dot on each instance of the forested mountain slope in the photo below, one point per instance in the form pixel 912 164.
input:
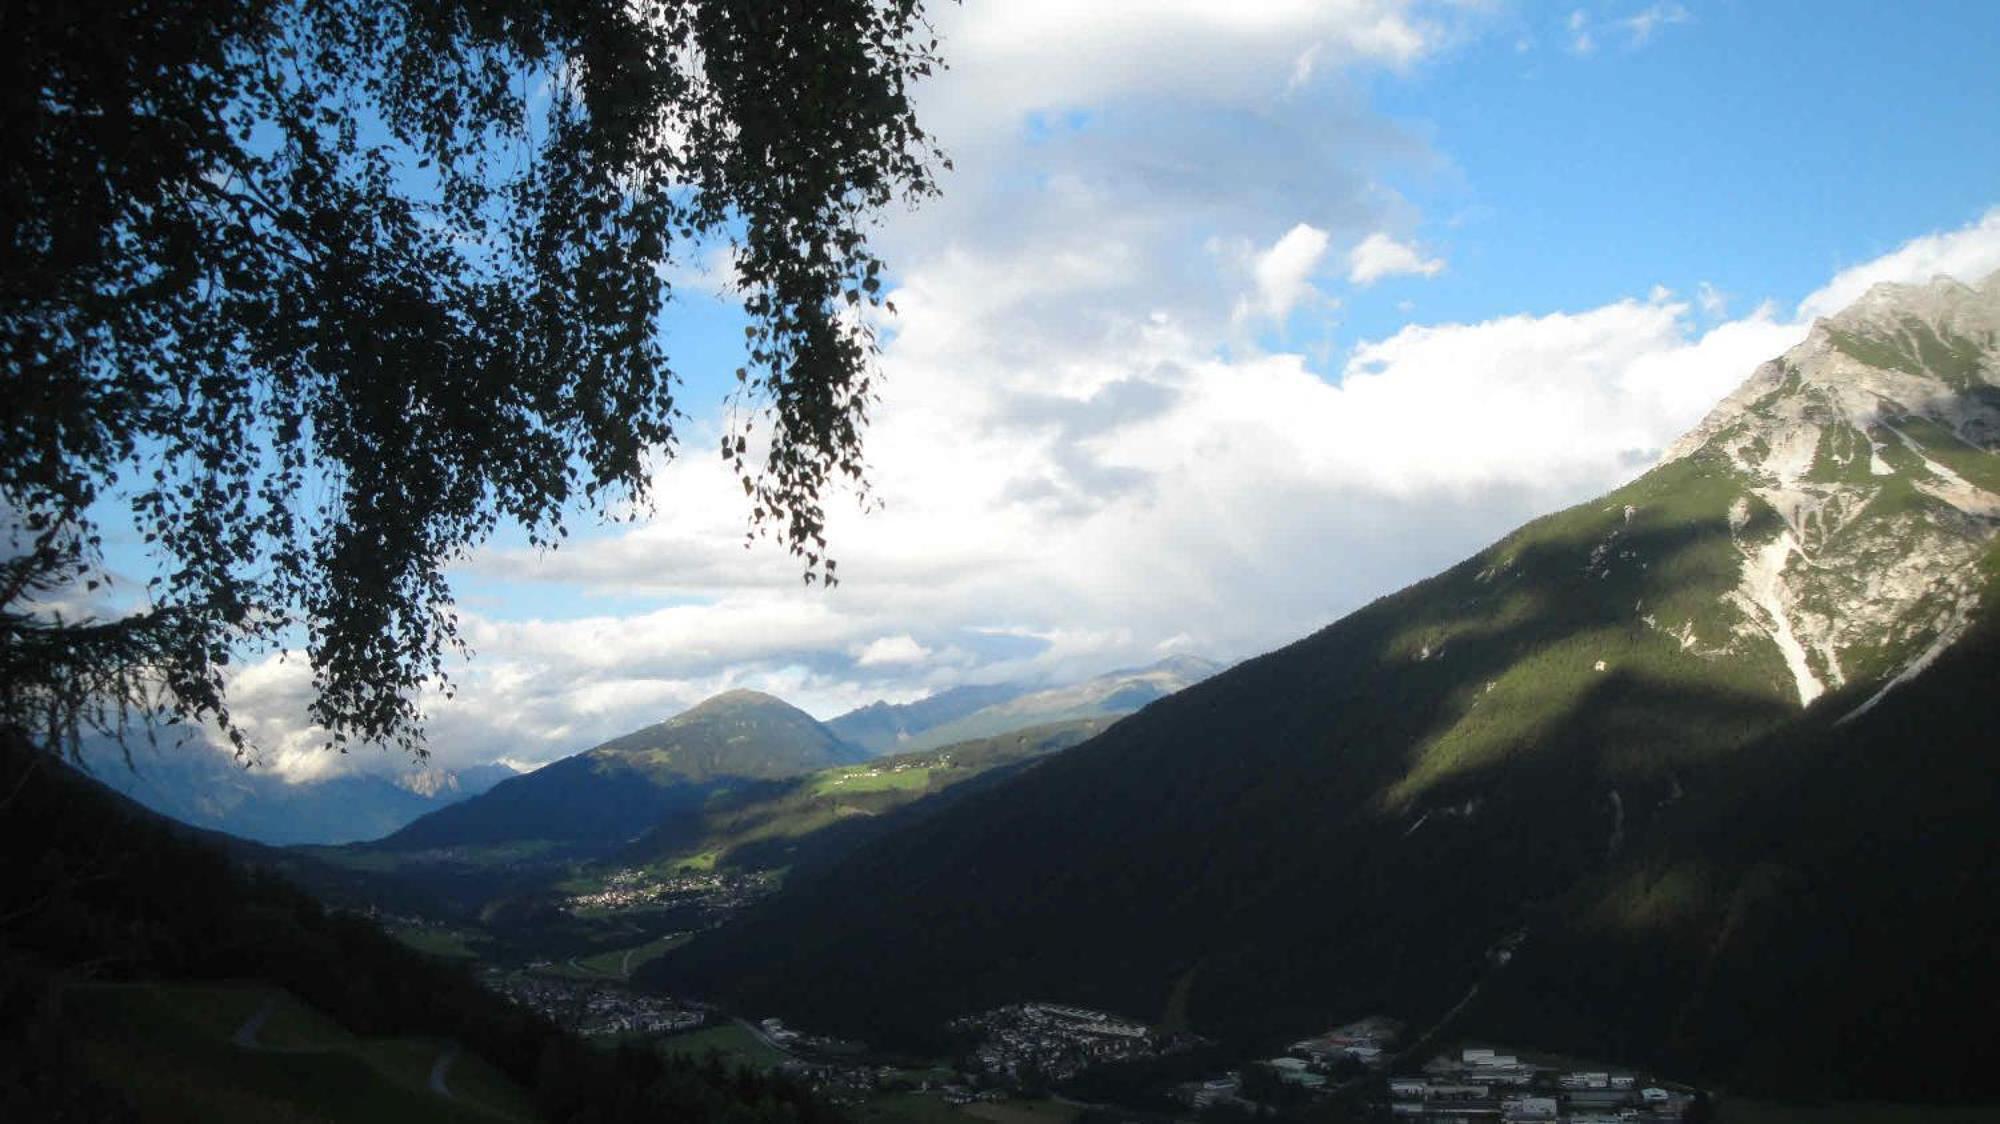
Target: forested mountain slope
pixel 608 795
pixel 1625 706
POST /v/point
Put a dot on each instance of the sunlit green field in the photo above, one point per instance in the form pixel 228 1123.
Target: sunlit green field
pixel 835 782
pixel 618 963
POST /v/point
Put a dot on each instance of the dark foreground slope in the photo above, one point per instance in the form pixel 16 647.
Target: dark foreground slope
pixel 118 929
pixel 1626 779
pixel 606 796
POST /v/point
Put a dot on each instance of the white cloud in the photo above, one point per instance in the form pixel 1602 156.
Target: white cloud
pixel 1713 301
pixel 890 650
pixel 1378 256
pixel 1283 274
pixel 1581 41
pixel 1969 253
pixel 1640 26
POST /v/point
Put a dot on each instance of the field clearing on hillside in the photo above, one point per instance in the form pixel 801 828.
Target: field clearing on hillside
pixel 702 862
pixel 623 962
pixel 172 1049
pixel 448 943
pixel 911 1108
pixel 1022 1112
pixel 867 779
pixel 733 1041
pixel 617 963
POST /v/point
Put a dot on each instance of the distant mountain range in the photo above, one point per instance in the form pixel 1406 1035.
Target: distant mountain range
pixel 883 727
pixel 661 777
pixel 1699 774
pixel 968 713
pixel 612 793
pixel 197 785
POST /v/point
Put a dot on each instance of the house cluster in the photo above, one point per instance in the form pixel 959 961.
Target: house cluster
pixel 876 770
pixel 1317 1064
pixel 787 1038
pixel 590 1009
pixel 854 1085
pixel 1226 1089
pixel 1032 1042
pixel 719 894
pixel 1363 1041
pixel 1481 1084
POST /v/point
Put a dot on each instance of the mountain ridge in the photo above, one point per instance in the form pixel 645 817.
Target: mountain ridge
pixel 607 795
pixel 1353 823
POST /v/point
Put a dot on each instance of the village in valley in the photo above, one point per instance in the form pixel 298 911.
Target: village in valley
pixel 1033 1044
pixel 594 1009
pixel 1470 1085
pixel 1479 1083
pixel 719 893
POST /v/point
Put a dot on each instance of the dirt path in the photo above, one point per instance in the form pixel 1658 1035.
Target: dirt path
pixel 246 1035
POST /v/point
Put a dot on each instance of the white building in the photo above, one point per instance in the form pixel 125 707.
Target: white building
pixel 1529 1108
pixel 1586 1080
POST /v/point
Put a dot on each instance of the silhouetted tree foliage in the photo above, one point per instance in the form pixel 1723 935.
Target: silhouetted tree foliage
pixel 328 291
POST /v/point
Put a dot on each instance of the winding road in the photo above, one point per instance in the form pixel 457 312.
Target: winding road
pixel 245 1038
pixel 439 1068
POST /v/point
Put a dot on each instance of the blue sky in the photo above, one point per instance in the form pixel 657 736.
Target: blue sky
pixel 1236 314
pixel 1756 146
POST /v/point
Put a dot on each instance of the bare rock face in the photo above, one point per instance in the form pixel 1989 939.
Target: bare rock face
pixel 1876 444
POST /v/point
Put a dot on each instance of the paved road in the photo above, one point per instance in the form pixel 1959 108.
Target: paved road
pixel 246 1035
pixel 246 1038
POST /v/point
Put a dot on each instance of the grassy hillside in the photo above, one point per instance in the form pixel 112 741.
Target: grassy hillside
pixel 133 952
pixel 173 1049
pixel 816 819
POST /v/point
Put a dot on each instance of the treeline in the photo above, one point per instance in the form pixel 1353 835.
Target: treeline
pixel 96 888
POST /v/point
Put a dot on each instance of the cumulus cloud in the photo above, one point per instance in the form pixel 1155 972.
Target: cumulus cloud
pixel 887 650
pixel 1378 256
pixel 1969 253
pixel 1282 274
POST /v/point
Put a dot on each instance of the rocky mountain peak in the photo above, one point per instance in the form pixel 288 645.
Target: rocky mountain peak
pixel 1873 444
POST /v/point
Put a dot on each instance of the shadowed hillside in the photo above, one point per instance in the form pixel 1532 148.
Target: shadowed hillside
pixel 1634 741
